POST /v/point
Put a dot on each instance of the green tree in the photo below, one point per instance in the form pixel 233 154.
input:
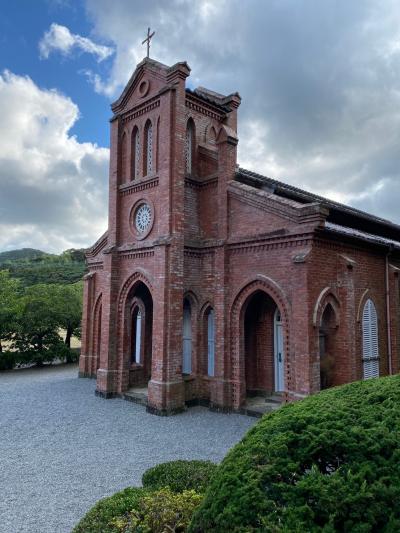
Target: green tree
pixel 9 300
pixel 37 325
pixel 68 307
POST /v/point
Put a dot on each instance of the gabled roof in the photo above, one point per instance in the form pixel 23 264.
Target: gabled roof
pixel 147 64
pixel 340 214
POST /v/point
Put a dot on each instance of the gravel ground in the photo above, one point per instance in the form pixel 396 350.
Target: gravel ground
pixel 62 448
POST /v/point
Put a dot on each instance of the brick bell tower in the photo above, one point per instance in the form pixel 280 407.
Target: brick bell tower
pixel 173 151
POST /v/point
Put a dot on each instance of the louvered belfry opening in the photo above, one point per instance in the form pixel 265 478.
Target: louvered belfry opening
pixel 148 149
pixel 370 348
pixel 189 146
pixel 135 154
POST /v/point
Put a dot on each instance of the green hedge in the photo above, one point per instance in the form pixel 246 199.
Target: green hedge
pixel 170 494
pixel 328 463
pixel 180 475
pixel 101 518
pixel 160 511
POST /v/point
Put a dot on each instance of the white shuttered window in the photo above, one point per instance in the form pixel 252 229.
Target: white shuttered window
pixel 370 354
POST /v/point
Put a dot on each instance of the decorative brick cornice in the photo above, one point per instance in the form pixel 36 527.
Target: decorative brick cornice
pixel 140 254
pixel 205 109
pixel 98 265
pixel 194 183
pixel 136 186
pixel 274 240
pixel 141 109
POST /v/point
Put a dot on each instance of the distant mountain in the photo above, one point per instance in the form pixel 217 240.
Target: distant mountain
pixel 34 266
pixel 23 253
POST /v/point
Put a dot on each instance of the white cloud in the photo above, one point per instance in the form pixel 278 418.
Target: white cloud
pixel 53 189
pixel 319 82
pixel 59 38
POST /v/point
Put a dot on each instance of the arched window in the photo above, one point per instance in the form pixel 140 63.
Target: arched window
pixel 135 154
pixel 187 339
pixel 189 146
pixel 124 155
pixel 370 341
pixel 158 145
pixel 211 343
pixel 148 149
pixel 137 336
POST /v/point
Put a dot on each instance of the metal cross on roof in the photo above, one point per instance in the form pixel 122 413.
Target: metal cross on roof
pixel 147 40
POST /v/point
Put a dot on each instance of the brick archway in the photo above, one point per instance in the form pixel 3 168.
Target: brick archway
pixel 272 290
pixel 126 300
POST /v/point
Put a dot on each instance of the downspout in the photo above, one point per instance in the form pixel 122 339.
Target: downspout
pixel 388 317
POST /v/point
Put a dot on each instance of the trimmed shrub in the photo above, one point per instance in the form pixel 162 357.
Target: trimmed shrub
pixel 101 518
pixel 328 463
pixel 159 512
pixel 179 475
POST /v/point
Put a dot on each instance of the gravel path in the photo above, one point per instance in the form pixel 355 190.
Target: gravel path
pixel 62 448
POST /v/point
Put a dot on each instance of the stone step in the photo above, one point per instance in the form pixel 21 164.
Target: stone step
pixel 136 396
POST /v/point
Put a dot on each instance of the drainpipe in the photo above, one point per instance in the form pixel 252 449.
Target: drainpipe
pixel 388 318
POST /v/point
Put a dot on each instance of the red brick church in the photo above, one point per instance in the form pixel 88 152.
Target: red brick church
pixel 214 283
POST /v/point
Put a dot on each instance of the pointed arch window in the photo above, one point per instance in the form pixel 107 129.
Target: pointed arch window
pixel 135 154
pixel 211 343
pixel 189 146
pixel 370 354
pixel 148 149
pixel 187 338
pixel 124 155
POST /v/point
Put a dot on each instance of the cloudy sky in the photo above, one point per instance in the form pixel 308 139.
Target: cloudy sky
pixel 319 80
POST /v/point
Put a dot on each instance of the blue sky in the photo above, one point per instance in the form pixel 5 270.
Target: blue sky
pixel 22 25
pixel 320 87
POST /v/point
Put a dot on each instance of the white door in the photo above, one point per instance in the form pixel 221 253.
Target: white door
pixel 278 355
pixel 187 341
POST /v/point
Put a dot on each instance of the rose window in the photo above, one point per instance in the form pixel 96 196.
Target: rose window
pixel 143 218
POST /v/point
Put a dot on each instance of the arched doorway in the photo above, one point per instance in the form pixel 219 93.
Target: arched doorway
pixel 138 331
pixel 328 348
pixel 263 346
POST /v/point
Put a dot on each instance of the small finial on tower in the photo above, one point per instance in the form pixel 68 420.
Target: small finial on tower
pixel 147 40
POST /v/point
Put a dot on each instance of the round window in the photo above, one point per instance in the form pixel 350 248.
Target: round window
pixel 143 218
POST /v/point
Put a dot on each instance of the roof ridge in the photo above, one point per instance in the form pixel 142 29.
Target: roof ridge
pixel 316 197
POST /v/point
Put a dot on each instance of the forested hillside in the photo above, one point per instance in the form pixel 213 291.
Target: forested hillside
pixel 32 266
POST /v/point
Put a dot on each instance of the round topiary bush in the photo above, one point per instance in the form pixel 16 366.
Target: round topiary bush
pixel 328 463
pixel 179 476
pixel 101 517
